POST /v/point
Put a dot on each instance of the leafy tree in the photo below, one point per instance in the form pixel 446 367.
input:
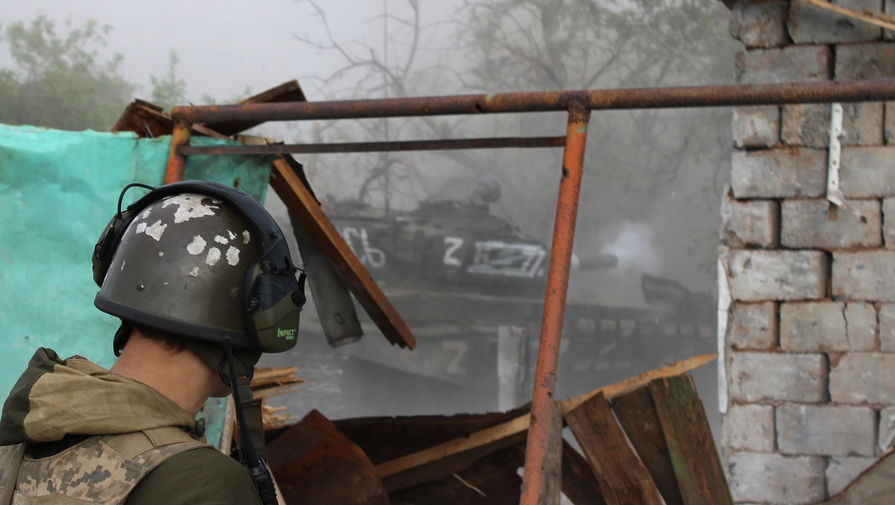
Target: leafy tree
pixel 61 80
pixel 169 90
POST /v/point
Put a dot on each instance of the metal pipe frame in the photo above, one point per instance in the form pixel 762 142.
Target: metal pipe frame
pixel 545 101
pixel 542 411
pixel 578 104
pixel 366 147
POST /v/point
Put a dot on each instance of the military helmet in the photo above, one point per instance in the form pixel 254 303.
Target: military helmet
pixel 204 261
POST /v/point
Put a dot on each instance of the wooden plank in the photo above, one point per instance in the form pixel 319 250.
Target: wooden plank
pixel 520 424
pixel 552 465
pixel 637 415
pixel 579 483
pixel 874 486
pixel 669 370
pixel 304 208
pixel 623 478
pixel 697 467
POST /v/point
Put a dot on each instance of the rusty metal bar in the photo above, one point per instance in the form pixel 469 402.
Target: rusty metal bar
pixel 542 409
pixel 542 101
pixel 176 161
pixel 363 147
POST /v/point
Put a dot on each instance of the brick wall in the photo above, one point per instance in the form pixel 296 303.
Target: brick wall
pixel 809 338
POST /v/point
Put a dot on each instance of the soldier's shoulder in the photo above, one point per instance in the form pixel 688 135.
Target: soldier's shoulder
pixel 199 476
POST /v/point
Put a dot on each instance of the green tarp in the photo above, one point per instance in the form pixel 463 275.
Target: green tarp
pixel 58 189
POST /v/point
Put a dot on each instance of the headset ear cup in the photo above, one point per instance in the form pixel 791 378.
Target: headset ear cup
pixel 105 249
pixel 298 296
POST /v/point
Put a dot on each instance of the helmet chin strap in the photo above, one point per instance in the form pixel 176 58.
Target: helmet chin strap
pixel 247 454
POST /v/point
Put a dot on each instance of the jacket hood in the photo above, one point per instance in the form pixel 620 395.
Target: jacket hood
pixel 56 398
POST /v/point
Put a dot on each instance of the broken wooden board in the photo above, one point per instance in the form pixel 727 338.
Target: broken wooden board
pixel 149 120
pixel 492 480
pixel 304 208
pixel 520 424
pixel 874 486
pixel 637 415
pixel 315 463
pixel 623 478
pixel 383 439
pixel 579 484
pixel 697 467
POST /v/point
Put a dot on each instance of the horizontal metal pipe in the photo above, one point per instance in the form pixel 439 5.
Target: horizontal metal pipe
pixel 542 101
pixel 398 145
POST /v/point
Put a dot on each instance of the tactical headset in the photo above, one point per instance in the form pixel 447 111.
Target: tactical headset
pixel 272 298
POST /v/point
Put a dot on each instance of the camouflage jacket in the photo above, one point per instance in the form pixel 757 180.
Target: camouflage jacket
pixel 75 433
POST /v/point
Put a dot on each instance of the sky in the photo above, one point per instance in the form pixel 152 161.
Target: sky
pixel 224 45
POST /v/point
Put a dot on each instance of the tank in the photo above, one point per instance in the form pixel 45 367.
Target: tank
pixel 443 245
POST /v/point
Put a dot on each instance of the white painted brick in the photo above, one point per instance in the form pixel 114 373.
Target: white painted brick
pixel 758 377
pixel 825 430
pixel 752 326
pixel 864 275
pixel 749 428
pixel 813 327
pixel 749 223
pixel 757 275
pixel 772 478
pixel 863 378
pixel 862 326
pixel 756 126
pixel 790 64
pixel 867 172
pixel 809 24
pixel 818 224
pixel 843 470
pixel 779 173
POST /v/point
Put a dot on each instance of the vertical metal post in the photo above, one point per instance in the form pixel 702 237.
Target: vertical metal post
pixel 542 409
pixel 177 162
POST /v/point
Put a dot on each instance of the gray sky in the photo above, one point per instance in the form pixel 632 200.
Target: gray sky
pixel 224 45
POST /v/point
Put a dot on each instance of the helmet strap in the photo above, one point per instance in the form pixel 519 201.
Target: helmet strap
pixel 248 456
pixel 122 335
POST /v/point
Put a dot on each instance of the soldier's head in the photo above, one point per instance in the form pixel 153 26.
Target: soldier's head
pixel 205 263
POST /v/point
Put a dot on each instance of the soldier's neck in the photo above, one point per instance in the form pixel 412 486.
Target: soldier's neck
pixel 178 374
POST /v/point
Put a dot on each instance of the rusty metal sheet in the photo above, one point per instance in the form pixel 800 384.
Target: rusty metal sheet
pixel 313 462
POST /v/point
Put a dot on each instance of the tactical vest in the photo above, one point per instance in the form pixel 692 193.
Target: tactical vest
pixel 100 470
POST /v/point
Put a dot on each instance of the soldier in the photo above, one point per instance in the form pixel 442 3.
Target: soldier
pixel 202 280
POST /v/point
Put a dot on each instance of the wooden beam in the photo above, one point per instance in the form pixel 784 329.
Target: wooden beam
pixel 698 469
pixel 623 478
pixel 637 415
pixel 304 208
pixel 520 424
